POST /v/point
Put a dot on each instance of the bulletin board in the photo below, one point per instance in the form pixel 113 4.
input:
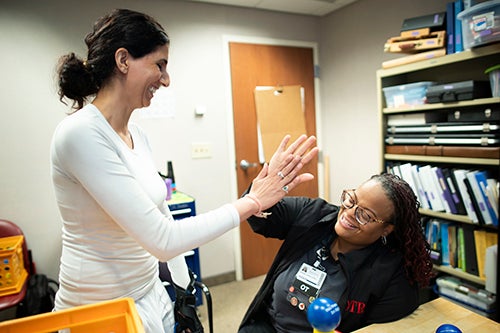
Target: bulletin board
pixel 280 111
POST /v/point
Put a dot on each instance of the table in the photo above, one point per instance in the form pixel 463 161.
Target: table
pixel 429 316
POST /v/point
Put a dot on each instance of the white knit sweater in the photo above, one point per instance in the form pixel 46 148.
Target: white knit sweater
pixel 116 223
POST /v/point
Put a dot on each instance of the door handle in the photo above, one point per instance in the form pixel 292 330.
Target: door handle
pixel 244 164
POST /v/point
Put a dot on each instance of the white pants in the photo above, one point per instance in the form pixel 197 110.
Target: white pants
pixel 156 310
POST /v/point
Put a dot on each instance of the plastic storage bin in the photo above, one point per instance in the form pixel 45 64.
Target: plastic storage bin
pixel 117 316
pixel 12 271
pixel 494 74
pixel 481 24
pixel 406 94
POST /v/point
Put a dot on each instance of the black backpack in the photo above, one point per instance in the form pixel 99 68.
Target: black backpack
pixel 39 296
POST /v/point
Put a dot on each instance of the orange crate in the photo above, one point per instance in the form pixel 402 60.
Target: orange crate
pixel 116 316
pixel 12 272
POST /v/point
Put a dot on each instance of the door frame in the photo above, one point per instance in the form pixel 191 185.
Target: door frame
pixel 227 39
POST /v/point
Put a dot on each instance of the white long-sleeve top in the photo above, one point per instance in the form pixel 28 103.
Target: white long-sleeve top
pixel 116 223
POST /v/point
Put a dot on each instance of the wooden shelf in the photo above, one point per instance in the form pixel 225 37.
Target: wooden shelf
pixel 440 106
pixel 442 159
pixel 466 65
pixel 442 61
pixel 460 274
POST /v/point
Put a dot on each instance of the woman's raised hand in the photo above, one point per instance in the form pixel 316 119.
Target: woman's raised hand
pixel 283 172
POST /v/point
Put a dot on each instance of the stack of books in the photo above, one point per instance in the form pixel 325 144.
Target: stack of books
pixel 428 36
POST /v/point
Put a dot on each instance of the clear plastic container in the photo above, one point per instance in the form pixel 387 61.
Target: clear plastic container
pixel 481 24
pixel 406 95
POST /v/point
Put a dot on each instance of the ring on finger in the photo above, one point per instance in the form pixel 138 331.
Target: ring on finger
pixel 281 175
pixel 285 188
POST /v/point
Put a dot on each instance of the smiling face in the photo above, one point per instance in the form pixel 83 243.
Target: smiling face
pixel 146 75
pixel 371 198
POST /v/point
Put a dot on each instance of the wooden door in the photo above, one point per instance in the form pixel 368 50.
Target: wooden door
pixel 255 65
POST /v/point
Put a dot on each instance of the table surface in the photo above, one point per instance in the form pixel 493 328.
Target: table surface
pixel 429 316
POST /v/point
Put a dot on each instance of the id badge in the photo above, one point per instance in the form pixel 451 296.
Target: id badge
pixel 305 288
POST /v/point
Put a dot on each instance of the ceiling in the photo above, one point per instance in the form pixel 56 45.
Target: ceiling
pixel 308 7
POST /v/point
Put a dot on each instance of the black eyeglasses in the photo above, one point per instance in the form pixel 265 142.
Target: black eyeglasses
pixel 363 216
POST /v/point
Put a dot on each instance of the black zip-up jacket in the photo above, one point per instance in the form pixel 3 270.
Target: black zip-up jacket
pixel 377 288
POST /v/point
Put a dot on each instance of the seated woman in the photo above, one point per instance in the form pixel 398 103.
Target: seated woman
pixel 369 255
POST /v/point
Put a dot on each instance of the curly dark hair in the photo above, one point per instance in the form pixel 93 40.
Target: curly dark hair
pixel 139 33
pixel 408 235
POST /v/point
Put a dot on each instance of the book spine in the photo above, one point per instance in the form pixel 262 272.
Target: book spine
pixel 470 251
pixel 473 198
pixel 445 191
pixel 455 193
pixel 459 6
pixel 469 207
pixel 450 28
pixel 478 196
pixel 480 242
pixel 481 177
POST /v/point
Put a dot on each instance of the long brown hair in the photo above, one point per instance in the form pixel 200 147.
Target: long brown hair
pixel 408 235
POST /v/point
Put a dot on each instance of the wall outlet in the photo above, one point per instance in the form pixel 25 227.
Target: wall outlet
pixel 201 150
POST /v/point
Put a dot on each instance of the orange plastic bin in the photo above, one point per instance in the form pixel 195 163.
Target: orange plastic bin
pixel 115 316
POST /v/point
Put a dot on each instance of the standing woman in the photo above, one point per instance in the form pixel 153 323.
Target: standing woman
pixel 116 223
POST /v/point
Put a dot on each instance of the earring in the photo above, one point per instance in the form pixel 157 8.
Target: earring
pixel 384 240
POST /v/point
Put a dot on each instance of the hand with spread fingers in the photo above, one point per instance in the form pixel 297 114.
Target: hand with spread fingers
pixel 282 174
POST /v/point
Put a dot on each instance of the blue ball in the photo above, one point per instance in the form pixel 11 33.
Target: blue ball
pixel 448 328
pixel 324 314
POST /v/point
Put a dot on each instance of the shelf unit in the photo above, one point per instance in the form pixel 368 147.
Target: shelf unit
pixel 466 65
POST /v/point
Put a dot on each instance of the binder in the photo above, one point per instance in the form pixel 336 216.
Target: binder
pixel 445 192
pixel 481 178
pixel 455 193
pixel 470 250
pixel 433 233
pixel 445 243
pixel 477 199
pixel 461 259
pixel 407 175
pixel 424 201
pixel 452 241
pixel 450 27
pixel 459 46
pixel 480 242
pixel 429 182
pixel 460 177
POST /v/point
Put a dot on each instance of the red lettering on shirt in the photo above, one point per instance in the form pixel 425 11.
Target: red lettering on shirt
pixel 355 307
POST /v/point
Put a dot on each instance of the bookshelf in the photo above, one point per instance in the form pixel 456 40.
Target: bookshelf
pixel 457 67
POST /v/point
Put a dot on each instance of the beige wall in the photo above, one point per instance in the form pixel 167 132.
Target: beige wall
pixel 34 34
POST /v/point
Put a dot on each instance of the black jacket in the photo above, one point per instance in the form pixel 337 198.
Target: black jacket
pixel 377 288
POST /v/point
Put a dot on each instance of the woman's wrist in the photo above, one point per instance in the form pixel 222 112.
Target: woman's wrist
pixel 258 204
